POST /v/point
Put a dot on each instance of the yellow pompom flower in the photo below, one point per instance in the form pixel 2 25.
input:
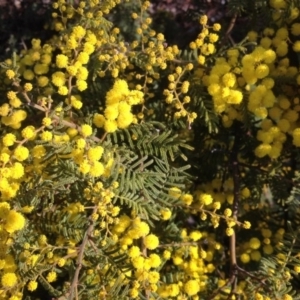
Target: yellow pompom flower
pixel 15 102
pixel 72 70
pixel 28 87
pixel 51 276
pixel 203 20
pixel 196 235
pixel 110 126
pixel 191 287
pixel 4 109
pixel 80 143
pixel 151 241
pixel 155 260
pixel 4 157
pixel 32 285
pixel 46 121
pixel 42 81
pixel 63 90
pixel 46 135
pixel 58 79
pixel 262 71
pixel 86 130
pixel 111 112
pixel 28 74
pixel 94 154
pixel 252 36
pixel 77 104
pixel 245 258
pixel 124 120
pixel 9 139
pixel 229 231
pixel 9 280
pixel 262 150
pixel 78 32
pixel 61 61
pixel 10 74
pixel 254 243
pixel 134 252
pixel 216 27
pixel 96 169
pixel 187 199
pixel 83 57
pixel 165 214
pixel 295 29
pixel 41 69
pixel 82 72
pixel 229 79
pixel 81 85
pixel 17 170
pixel 84 167
pixel 21 153
pixel 206 199
pixel 14 221
pixel 296 46
pixel 98 120
pixel 235 97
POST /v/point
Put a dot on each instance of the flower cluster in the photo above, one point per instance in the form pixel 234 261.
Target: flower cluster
pixel 117 113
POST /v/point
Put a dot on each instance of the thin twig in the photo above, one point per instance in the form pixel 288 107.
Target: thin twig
pixel 73 288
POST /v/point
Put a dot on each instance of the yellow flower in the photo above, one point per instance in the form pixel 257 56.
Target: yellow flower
pixel 155 260
pixel 96 169
pixel 216 27
pixel 4 109
pixel 191 287
pixel 245 258
pixel 124 120
pixel 51 276
pixel 9 139
pixel 95 154
pixel 296 46
pixel 10 74
pixel 110 126
pixel 175 192
pixel 32 285
pixel 63 90
pixel 81 85
pixel 151 241
pixel 165 214
pixel 8 280
pixel 84 167
pixel 83 57
pixel 111 112
pixel 206 199
pixel 17 170
pixel 80 143
pixel 46 135
pixel 46 121
pixel 14 221
pixel 86 130
pixel 195 235
pixel 78 32
pixel 203 20
pixel 61 61
pixel 38 151
pixel 42 81
pixel 21 153
pixel 58 79
pixel 133 252
pixel 254 243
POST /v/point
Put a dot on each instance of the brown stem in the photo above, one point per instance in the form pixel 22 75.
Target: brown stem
pixel 73 289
